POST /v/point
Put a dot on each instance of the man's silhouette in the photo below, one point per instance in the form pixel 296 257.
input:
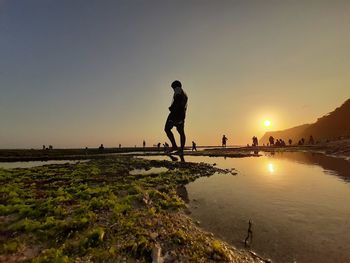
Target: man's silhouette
pixel 224 140
pixel 177 116
pixel 194 146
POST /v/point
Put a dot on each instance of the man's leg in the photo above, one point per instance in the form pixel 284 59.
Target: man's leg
pixel 181 130
pixel 168 126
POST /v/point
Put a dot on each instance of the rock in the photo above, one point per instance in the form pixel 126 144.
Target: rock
pixel 146 200
pixel 153 235
pixel 156 254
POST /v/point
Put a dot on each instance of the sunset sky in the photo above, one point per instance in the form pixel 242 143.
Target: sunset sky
pixel 82 73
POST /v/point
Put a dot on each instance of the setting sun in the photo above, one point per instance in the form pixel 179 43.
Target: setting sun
pixel 267 123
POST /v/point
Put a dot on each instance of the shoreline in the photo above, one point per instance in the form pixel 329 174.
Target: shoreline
pixel 338 149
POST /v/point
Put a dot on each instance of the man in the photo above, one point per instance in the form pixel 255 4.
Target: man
pixel 177 116
pixel 194 146
pixel 224 140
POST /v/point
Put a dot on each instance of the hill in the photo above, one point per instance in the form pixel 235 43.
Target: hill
pixel 331 126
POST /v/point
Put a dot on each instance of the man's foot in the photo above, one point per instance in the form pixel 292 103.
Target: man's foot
pixel 172 149
pixel 173 158
pixel 180 152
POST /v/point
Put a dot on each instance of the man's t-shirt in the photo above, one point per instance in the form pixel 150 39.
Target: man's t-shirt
pixel 179 105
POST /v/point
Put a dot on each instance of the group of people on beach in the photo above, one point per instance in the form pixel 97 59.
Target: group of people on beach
pixel 176 118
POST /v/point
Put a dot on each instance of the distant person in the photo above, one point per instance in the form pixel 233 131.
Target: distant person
pixel 224 140
pixel 120 146
pixel 290 141
pixel 101 148
pixel 158 146
pixel 302 141
pixel 194 146
pixel 279 143
pixel 283 143
pixel 271 141
pixel 255 141
pixel 311 140
pixel 144 144
pixel 166 147
pixel 177 116
pixel 50 147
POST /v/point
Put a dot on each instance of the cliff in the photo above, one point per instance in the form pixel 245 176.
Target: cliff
pixel 332 125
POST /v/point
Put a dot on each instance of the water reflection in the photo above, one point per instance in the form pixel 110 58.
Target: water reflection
pixel 334 166
pixel 297 202
pixel 29 164
pixel 270 168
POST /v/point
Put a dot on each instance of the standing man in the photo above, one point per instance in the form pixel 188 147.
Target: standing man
pixel 177 116
pixel 224 140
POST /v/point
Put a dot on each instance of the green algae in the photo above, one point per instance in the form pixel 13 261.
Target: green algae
pixel 97 211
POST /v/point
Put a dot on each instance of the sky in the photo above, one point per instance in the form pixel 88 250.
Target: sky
pixel 81 73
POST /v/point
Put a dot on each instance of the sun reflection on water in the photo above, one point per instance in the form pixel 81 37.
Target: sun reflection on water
pixel 271 168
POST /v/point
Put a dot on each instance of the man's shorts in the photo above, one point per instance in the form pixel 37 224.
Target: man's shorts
pixel 170 123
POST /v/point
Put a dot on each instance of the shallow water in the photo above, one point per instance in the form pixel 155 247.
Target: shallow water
pixel 12 165
pixel 299 204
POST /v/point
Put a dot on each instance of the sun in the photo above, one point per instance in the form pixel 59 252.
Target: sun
pixel 267 123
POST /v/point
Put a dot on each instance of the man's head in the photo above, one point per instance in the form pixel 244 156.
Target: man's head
pixel 176 84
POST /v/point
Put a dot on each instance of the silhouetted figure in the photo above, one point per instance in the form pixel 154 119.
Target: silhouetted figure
pixel 144 144
pixel 277 143
pixel 120 146
pixel 158 146
pixel 290 141
pixel 311 140
pixel 194 146
pixel 177 116
pixel 50 147
pixel 280 143
pixel 101 148
pixel 302 141
pixel 255 141
pixel 271 141
pixel 224 140
pixel 283 143
pixel 44 147
pixel 166 147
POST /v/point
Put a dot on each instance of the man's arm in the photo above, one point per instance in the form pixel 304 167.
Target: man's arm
pixel 176 105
